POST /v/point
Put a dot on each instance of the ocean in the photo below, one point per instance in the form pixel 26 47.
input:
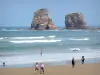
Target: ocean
pixel 20 47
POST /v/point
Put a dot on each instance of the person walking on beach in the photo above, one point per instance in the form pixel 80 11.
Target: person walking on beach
pixel 36 67
pixel 73 62
pixel 41 68
pixel 3 64
pixel 82 59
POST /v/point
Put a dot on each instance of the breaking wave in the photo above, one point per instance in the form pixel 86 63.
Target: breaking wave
pixel 23 38
pixel 41 37
pixel 51 36
pixel 78 39
pixel 1 38
pixel 35 41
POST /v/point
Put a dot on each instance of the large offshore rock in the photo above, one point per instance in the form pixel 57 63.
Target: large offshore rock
pixel 42 21
pixel 75 21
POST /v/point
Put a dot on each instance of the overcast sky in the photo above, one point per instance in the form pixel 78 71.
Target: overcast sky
pixel 20 12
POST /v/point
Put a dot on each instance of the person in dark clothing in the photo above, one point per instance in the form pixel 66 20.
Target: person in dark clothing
pixel 73 62
pixel 82 59
pixel 3 64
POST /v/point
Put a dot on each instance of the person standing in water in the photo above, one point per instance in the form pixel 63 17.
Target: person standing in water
pixel 3 64
pixel 41 52
pixel 82 59
pixel 73 62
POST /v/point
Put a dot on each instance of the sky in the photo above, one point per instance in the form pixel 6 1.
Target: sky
pixel 20 12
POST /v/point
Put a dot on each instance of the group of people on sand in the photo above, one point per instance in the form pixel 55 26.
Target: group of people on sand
pixel 39 68
pixel 73 61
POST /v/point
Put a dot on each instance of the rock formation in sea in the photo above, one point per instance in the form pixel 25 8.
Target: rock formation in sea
pixel 75 21
pixel 42 21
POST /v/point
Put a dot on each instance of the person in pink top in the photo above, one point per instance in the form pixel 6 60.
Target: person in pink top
pixel 41 68
pixel 41 52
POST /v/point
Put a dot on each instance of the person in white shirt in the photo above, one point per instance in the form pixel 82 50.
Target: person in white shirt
pixel 41 52
pixel 41 68
pixel 37 67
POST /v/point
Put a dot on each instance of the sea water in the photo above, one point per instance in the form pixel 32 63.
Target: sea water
pixel 20 47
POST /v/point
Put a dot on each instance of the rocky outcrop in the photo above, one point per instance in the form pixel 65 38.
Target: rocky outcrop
pixel 42 21
pixel 75 21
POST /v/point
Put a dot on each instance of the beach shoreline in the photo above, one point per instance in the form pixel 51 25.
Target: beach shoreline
pixel 53 63
pixel 85 69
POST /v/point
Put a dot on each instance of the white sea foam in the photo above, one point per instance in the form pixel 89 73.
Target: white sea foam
pixel 23 38
pixel 13 30
pixel 1 38
pixel 51 36
pixel 51 57
pixel 8 30
pixel 53 30
pixel 76 30
pixel 34 41
pixel 78 39
pixel 40 37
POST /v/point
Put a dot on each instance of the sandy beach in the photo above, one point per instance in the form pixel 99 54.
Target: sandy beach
pixel 86 69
